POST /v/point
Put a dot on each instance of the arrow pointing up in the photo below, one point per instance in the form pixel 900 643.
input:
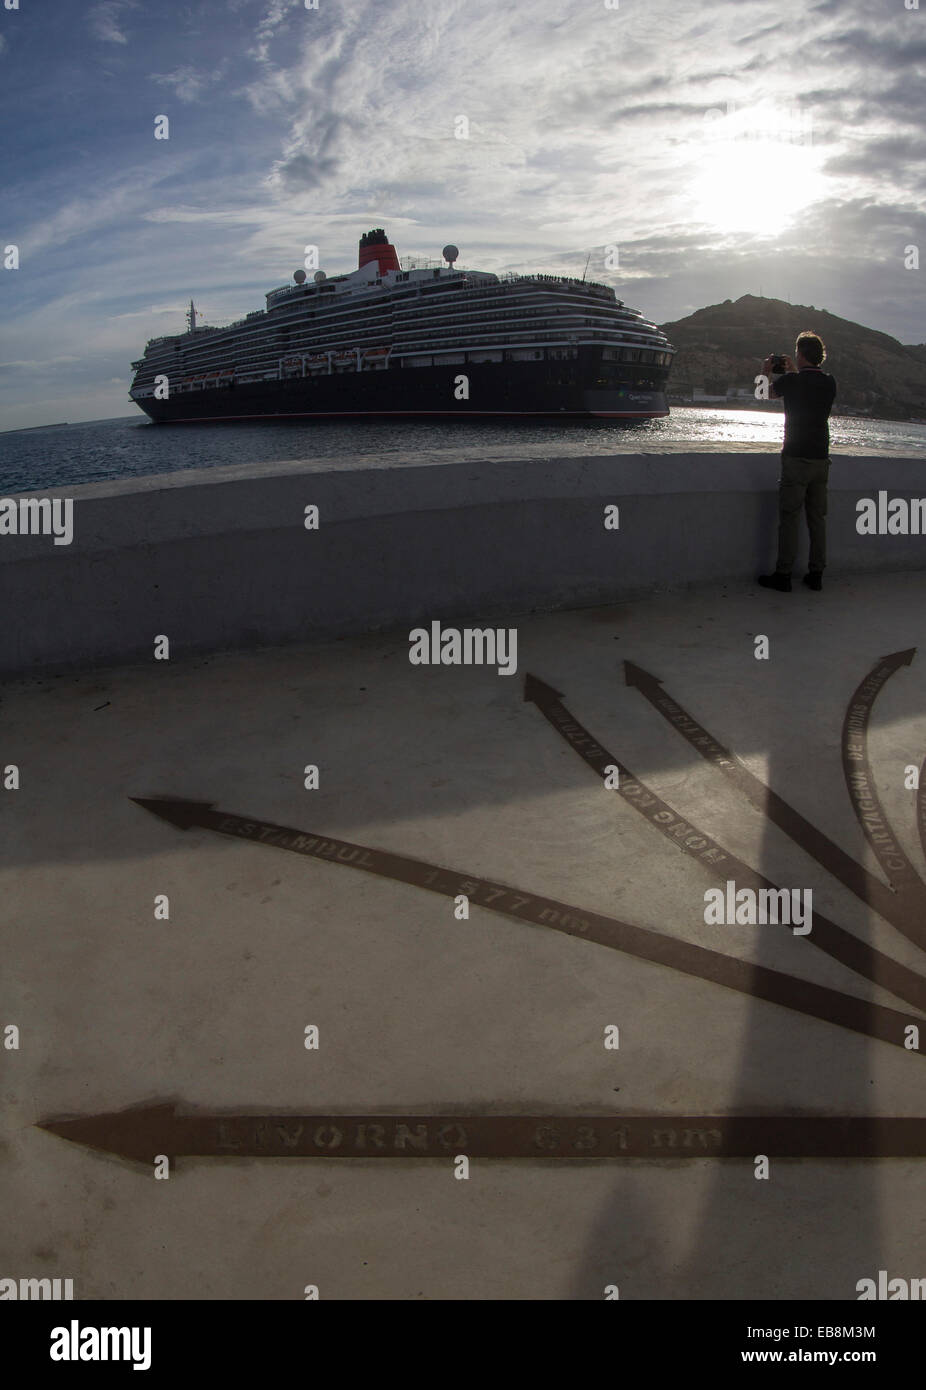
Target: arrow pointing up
pixel 642 680
pixel 537 691
pixel 183 814
pixel 723 866
pixel 897 659
pixel 866 803
pixel 780 812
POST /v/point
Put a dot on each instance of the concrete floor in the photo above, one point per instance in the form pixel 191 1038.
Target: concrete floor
pixel 419 1011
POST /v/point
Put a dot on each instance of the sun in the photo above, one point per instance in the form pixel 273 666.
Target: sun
pixel 753 187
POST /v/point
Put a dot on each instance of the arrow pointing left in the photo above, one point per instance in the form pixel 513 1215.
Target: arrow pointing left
pixel 759 981
pixel 146 1132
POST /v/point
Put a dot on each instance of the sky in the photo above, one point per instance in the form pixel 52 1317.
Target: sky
pixel 685 151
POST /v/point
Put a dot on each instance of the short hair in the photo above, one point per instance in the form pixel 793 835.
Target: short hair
pixel 810 345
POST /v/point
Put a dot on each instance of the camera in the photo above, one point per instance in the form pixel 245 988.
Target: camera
pixel 778 362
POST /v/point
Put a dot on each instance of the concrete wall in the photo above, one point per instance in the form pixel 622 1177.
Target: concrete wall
pixel 220 557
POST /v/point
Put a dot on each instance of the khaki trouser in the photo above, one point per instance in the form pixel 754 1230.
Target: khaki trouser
pixel 802 484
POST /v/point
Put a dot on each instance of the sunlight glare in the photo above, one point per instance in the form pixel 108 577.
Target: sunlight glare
pixel 755 187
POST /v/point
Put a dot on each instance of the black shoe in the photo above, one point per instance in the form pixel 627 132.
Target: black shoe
pixel 781 582
pixel 813 580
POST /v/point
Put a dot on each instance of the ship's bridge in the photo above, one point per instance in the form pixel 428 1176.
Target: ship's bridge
pixel 289 292
pixel 367 278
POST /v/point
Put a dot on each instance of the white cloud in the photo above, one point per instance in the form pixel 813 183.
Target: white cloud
pixel 188 83
pixel 222 216
pixel 115 198
pixel 268 26
pixel 586 128
pixel 36 362
pixel 105 19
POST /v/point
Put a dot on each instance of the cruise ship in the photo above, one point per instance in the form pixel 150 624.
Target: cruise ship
pixel 424 340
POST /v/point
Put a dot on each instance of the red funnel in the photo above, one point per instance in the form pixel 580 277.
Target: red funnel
pixel 375 247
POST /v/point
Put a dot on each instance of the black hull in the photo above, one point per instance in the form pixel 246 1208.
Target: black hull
pixel 512 389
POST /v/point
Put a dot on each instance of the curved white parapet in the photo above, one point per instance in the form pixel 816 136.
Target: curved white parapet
pixel 222 557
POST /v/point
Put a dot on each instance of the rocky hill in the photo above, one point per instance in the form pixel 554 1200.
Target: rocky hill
pixel 723 346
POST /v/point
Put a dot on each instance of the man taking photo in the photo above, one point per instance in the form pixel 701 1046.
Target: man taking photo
pixel 808 393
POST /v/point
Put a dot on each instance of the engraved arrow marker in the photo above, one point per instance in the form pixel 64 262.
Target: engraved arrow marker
pixel 758 981
pixel 144 1132
pixel 865 801
pixel 835 860
pixel 719 863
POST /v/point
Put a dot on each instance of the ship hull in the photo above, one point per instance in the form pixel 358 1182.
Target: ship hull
pixel 510 389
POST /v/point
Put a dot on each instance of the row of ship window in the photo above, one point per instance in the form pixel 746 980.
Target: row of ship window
pixel 642 356
pixel 368 311
pixel 260 341
pixel 299 311
pixel 442 319
pixel 657 359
